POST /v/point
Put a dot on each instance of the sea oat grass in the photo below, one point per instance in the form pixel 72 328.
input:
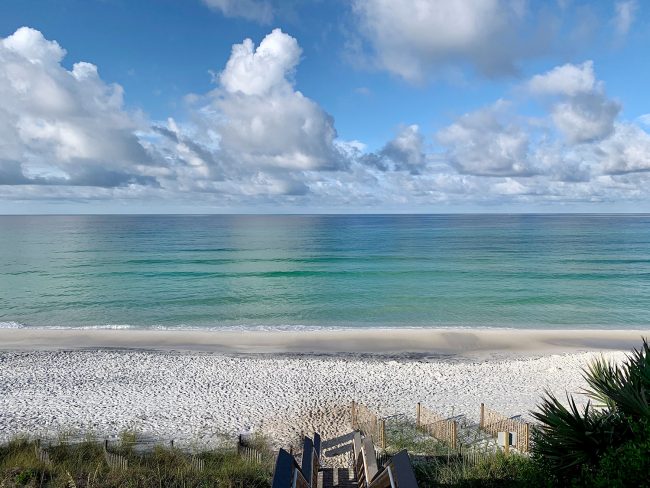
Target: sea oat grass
pixel 83 465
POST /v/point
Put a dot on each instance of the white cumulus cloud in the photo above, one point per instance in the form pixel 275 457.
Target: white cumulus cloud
pixel 581 110
pixel 63 127
pixel 568 79
pixel 262 70
pixel 262 120
pixel 405 152
pixel 586 118
pixel 255 133
pixel 627 151
pixel 486 143
pixel 411 37
pixel 256 140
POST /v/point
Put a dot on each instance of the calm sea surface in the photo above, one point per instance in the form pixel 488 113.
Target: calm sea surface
pixel 575 271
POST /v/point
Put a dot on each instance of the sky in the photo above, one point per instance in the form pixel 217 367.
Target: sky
pixel 324 106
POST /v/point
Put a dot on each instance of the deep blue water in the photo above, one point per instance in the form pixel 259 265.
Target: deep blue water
pixel 568 271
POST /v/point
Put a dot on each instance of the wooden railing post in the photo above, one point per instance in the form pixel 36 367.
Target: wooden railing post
pixel 353 415
pixel 482 420
pixel 382 433
pixel 418 412
pixel 526 437
pixel 454 434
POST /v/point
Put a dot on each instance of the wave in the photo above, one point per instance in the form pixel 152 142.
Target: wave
pixel 12 325
pixel 18 325
pixel 311 328
pixel 244 328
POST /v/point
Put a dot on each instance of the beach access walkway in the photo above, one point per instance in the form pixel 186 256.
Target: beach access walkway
pixel 368 471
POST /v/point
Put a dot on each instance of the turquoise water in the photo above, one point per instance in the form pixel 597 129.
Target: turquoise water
pixel 565 271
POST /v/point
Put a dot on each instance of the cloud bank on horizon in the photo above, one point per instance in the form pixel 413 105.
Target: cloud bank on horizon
pixel 256 141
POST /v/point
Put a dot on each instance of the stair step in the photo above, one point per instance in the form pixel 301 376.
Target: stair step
pixel 337 478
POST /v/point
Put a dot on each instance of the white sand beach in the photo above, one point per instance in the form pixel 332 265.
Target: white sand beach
pixel 195 386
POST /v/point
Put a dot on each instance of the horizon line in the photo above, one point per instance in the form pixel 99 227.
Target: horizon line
pixel 289 214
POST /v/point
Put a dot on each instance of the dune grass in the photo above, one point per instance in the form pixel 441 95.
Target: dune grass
pixel 84 465
pixel 437 465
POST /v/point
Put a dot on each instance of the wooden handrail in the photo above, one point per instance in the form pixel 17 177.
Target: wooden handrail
pixel 397 472
pixel 289 474
pixel 307 458
pixel 369 458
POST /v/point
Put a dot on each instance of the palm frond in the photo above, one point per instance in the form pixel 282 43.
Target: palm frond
pixel 570 437
pixel 624 388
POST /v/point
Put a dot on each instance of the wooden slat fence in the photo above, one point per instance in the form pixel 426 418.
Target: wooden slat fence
pixel 41 454
pixel 115 461
pixel 473 456
pixel 249 454
pixel 436 425
pixel 369 423
pixel 197 464
pixel 247 451
pixel 494 422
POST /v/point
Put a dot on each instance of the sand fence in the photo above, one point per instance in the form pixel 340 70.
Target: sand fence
pixel 115 461
pixel 41 454
pixel 494 422
pixel 116 457
pixel 510 432
pixel 368 423
pixel 248 451
pixel 442 428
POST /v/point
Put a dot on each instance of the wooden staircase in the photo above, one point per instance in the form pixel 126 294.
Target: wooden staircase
pixel 395 472
pixel 337 478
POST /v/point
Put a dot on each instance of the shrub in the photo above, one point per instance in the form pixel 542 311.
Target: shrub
pixel 494 470
pixel 593 445
pixel 627 465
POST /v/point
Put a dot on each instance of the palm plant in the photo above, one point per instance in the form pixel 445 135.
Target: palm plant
pixel 624 388
pixel 572 439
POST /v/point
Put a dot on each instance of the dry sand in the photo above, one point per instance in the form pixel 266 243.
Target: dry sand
pixel 194 386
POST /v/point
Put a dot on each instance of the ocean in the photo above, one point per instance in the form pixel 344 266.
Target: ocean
pixel 325 271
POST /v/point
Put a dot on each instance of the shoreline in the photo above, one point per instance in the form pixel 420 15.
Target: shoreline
pixel 439 341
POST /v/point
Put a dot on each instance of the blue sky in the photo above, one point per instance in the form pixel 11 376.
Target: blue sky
pixel 330 106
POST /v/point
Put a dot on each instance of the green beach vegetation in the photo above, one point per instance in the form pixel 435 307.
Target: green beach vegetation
pixel 76 465
pixel 605 443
